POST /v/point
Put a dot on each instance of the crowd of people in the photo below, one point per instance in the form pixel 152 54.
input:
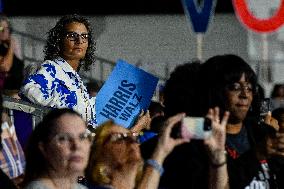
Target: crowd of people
pixel 69 150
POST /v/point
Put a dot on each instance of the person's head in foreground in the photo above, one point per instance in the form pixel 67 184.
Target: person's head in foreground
pixel 115 150
pixel 58 149
pixel 116 162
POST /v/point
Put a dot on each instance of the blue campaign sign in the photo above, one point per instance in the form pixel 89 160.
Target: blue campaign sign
pixel 199 14
pixel 126 92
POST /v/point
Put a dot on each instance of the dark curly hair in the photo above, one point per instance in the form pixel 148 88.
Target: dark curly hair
pixel 180 94
pixel 217 73
pixel 53 46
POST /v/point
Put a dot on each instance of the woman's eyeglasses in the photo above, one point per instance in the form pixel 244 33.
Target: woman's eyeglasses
pixel 238 87
pixel 65 139
pixel 73 36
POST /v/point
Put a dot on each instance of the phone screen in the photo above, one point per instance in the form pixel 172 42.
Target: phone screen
pixel 195 128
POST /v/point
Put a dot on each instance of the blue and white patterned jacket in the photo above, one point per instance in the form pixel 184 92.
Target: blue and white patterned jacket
pixel 56 84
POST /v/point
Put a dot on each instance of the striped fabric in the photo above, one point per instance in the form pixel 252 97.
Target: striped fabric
pixel 12 159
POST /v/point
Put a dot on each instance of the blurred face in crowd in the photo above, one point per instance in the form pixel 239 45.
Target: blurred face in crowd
pixel 281 91
pixel 75 42
pixel 4 30
pixel 239 98
pixel 121 147
pixel 69 147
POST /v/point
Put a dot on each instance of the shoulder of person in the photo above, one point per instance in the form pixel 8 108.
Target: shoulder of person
pixel 80 186
pixel 50 62
pixel 36 184
pixel 48 66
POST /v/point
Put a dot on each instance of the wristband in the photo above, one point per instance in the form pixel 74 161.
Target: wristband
pixel 213 165
pixel 155 165
pixel 217 165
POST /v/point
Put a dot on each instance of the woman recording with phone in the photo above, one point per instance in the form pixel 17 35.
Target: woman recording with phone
pixel 231 84
pixel 116 161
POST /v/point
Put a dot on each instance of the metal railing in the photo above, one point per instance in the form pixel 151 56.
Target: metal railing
pixel 36 111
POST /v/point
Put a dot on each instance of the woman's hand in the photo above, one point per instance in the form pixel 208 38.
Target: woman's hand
pixel 271 121
pixel 152 172
pixel 166 143
pixel 143 122
pixel 275 145
pixel 216 142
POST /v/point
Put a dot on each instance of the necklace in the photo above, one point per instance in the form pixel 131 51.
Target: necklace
pixel 80 91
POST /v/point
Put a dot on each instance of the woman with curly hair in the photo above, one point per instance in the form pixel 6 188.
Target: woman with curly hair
pixel 56 83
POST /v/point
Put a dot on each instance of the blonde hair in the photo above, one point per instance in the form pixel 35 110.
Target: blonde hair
pixel 98 171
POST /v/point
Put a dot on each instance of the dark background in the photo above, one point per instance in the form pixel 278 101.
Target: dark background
pixel 100 7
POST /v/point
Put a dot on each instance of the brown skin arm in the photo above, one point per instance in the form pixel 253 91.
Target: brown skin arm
pixel 6 61
pixel 215 144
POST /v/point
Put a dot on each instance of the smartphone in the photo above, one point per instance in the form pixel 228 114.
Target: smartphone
pixel 265 107
pixel 195 128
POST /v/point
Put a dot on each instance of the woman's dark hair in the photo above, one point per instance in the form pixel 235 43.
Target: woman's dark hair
pixel 180 94
pixel 217 73
pixel 36 164
pixel 155 108
pixel 278 114
pixel 56 35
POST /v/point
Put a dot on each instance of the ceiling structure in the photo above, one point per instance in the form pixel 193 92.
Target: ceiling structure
pixel 100 7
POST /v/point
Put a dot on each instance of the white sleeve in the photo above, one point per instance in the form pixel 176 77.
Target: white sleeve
pixel 38 87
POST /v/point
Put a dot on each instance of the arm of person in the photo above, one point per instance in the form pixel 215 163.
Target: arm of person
pixel 39 88
pixel 271 121
pixel 153 168
pixel 215 144
pixel 143 122
pixel 6 61
pixel 17 48
pixel 274 144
